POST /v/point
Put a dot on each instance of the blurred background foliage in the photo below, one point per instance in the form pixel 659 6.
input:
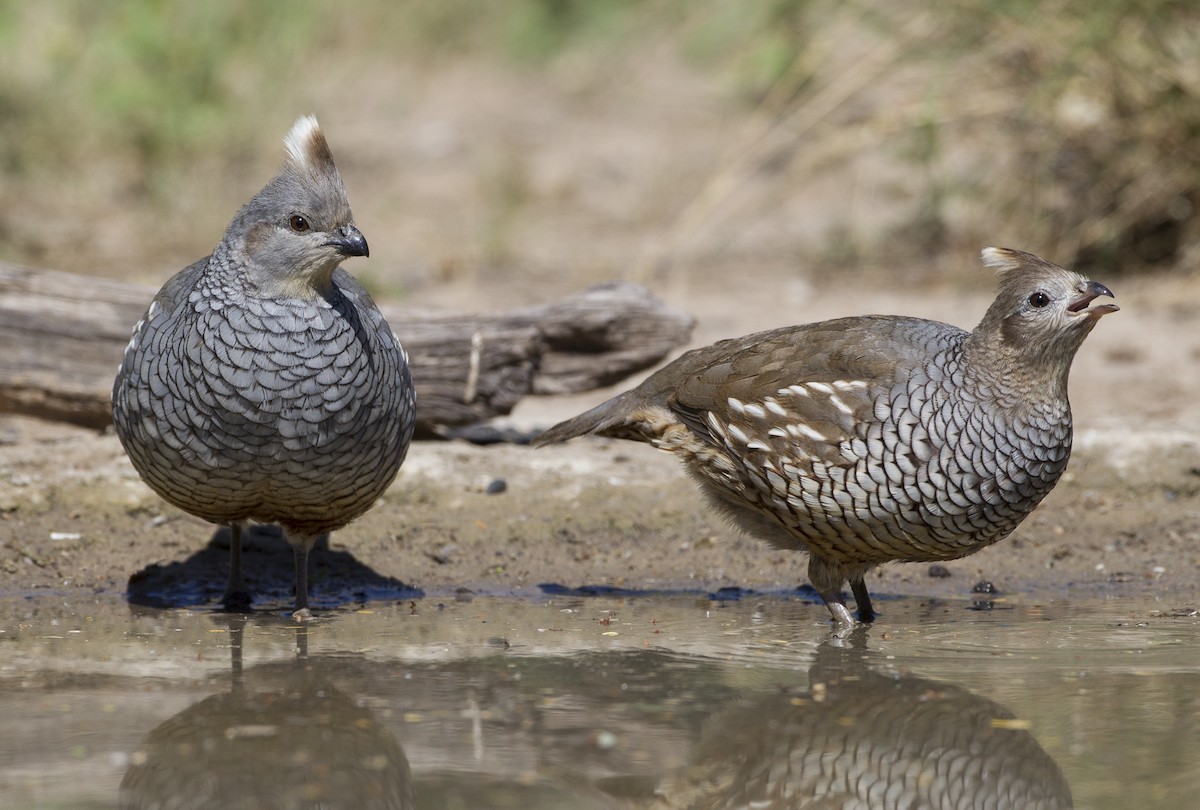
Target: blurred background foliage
pixel 1068 126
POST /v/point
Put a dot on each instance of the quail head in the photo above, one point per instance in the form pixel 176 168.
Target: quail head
pixel 263 384
pixel 869 439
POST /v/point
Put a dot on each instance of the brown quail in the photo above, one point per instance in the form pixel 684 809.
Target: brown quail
pixel 876 438
pixel 263 383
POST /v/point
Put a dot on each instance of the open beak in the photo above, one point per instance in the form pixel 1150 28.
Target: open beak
pixel 1089 291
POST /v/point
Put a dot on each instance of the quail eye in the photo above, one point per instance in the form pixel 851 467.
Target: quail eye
pixel 299 224
pixel 1039 299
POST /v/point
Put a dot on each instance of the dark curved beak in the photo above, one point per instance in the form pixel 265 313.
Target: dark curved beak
pixel 1089 291
pixel 349 241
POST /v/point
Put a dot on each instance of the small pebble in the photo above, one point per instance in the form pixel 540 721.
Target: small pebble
pixel 983 586
pixel 605 740
pixel 497 486
pixel 939 571
pixel 442 555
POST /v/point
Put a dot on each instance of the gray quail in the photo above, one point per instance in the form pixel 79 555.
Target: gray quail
pixel 876 438
pixel 263 383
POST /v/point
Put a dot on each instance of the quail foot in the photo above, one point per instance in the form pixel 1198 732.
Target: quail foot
pixel 877 438
pixel 263 384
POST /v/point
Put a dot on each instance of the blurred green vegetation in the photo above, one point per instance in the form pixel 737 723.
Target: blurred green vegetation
pixel 153 76
pixel 168 79
pixel 1072 122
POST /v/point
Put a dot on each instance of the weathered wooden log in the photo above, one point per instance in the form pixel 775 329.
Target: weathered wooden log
pixel 62 335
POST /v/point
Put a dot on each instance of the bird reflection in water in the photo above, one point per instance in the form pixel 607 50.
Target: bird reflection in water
pixel 280 738
pixel 857 738
pixel 854 738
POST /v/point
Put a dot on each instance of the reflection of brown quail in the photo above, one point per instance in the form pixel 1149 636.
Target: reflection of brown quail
pixel 263 383
pixel 860 738
pixel 877 438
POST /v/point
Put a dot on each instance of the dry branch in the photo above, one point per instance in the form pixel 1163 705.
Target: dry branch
pixel 63 335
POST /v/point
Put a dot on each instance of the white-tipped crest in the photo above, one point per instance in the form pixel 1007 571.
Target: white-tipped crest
pixel 299 141
pixel 999 258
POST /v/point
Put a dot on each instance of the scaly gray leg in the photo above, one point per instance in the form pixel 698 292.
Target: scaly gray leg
pixel 237 595
pixel 301 545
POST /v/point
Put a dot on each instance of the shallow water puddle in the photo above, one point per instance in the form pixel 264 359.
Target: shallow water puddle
pixel 601 702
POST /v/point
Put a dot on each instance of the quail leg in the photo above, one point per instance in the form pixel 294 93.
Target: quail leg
pixel 301 545
pixel 827 578
pixel 841 614
pixel 237 595
pixel 866 612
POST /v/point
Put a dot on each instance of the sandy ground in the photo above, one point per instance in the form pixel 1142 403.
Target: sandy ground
pixel 1124 520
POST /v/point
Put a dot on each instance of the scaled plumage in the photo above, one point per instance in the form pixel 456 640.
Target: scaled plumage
pixel 263 383
pixel 876 438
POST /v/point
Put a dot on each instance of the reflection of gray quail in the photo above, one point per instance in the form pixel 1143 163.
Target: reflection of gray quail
pixel 870 439
pixel 263 383
pixel 287 738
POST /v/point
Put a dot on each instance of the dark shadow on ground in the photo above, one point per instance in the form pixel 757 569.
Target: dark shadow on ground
pixel 336 577
pixel 732 593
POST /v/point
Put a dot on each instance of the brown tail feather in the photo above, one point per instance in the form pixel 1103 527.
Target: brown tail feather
pixel 599 419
